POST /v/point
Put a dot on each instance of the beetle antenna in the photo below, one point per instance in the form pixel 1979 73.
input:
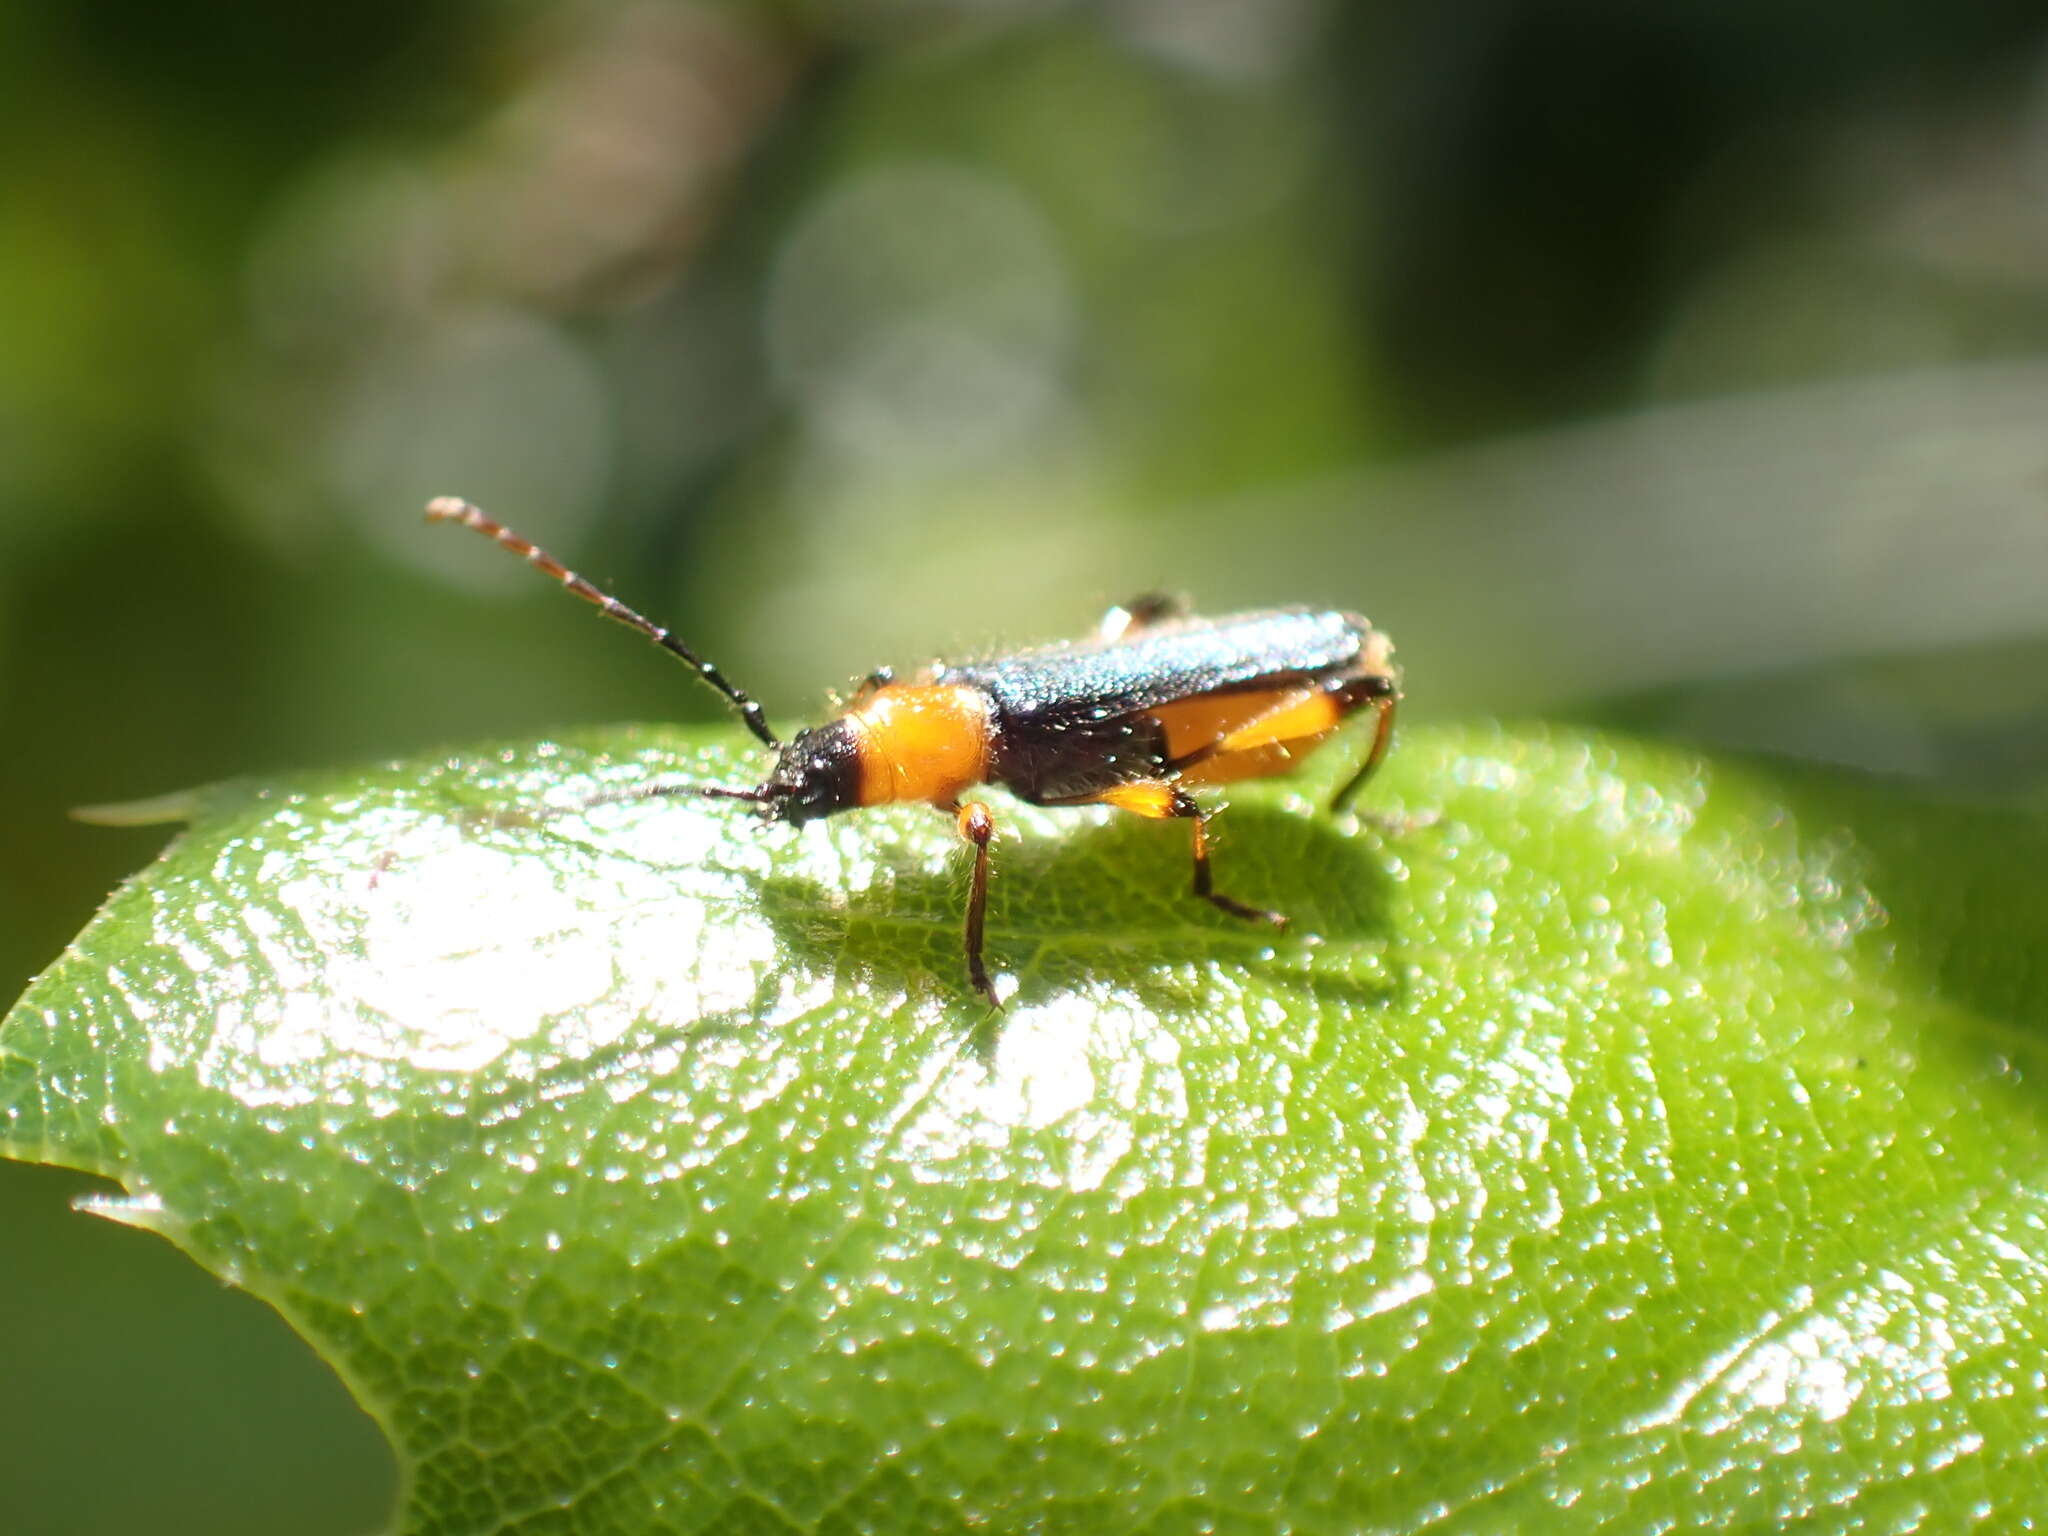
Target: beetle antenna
pixel 453 509
pixel 760 796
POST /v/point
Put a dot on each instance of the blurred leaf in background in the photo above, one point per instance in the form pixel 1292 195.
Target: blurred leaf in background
pixel 839 335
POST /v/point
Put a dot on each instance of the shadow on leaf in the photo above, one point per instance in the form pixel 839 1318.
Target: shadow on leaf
pixel 1108 905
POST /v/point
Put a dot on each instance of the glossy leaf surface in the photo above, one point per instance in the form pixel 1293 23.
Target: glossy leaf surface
pixel 1620 1142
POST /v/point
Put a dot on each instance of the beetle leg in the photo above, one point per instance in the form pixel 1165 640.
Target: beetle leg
pixel 1139 613
pixel 1186 805
pixel 978 827
pixel 1161 800
pixel 872 684
pixel 1382 738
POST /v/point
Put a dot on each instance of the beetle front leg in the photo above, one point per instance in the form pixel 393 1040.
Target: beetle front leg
pixel 871 685
pixel 978 826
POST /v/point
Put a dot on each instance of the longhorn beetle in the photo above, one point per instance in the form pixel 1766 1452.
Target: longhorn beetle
pixel 1158 702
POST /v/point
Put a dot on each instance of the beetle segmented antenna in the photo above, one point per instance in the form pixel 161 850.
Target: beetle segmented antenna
pixel 759 796
pixel 453 509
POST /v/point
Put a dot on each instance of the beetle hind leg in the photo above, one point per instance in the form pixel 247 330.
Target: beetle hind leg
pixel 1381 701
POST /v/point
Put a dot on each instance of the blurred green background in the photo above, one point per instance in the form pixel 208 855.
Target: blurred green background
pixel 1681 367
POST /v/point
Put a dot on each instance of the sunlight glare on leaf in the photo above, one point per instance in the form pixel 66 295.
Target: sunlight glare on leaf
pixel 1598 1136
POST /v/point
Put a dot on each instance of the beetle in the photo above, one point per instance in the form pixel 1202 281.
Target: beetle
pixel 1157 703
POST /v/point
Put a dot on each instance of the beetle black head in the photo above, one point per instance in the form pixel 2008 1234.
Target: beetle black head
pixel 816 773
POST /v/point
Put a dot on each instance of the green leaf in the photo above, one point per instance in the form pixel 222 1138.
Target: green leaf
pixel 1614 1141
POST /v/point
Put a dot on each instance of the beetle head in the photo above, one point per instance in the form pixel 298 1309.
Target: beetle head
pixel 816 773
